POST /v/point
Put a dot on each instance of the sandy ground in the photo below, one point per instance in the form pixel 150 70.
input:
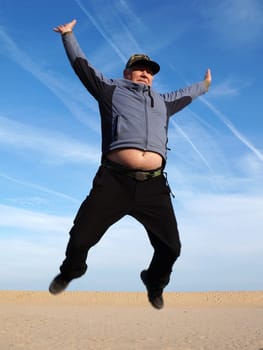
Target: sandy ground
pixel 126 321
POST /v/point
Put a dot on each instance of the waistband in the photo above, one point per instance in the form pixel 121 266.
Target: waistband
pixel 136 174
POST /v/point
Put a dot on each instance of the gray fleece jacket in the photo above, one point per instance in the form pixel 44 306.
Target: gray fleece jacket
pixel 132 115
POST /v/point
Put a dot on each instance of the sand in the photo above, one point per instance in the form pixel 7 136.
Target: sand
pixel 126 321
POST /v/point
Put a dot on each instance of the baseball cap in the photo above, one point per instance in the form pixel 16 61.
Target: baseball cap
pixel 140 58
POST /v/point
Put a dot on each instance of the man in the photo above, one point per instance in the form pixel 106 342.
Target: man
pixel 130 180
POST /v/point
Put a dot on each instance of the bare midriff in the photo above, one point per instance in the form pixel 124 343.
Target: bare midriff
pixel 136 159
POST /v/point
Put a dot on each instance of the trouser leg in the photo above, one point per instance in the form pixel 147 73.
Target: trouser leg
pixel 162 262
pixel 105 205
pixel 154 210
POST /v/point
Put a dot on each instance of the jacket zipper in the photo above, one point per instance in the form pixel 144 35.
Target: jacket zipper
pixel 146 120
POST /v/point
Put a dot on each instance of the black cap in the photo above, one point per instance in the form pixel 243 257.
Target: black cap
pixel 143 59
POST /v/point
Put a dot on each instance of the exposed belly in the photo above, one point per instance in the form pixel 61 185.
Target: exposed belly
pixel 136 159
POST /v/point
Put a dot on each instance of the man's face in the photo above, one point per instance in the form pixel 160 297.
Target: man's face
pixel 139 74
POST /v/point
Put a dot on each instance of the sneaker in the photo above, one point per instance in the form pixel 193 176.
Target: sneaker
pixel 58 285
pixel 154 294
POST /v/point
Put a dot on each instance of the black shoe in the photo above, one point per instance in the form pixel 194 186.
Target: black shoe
pixel 154 294
pixel 58 285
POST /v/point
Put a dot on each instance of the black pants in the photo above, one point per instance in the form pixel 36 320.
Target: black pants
pixel 113 196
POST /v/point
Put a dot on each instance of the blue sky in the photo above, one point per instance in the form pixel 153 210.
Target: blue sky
pixel 50 139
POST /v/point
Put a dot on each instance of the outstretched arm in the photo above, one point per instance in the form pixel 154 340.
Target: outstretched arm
pixel 91 78
pixel 65 28
pixel 178 99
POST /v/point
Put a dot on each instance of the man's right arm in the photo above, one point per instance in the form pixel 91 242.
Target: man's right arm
pixel 92 79
pixel 72 47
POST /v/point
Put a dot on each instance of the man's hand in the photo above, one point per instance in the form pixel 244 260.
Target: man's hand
pixel 64 28
pixel 208 78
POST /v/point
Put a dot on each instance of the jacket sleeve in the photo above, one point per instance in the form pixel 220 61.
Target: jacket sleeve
pixel 177 100
pixel 91 78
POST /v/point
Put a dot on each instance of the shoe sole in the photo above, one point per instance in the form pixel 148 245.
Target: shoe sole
pixel 145 282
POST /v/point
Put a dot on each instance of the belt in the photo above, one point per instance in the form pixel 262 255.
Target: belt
pixel 139 175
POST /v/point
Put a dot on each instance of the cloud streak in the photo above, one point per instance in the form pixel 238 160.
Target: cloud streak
pixel 243 139
pixel 33 221
pixel 101 31
pixel 114 30
pixel 242 21
pixel 54 146
pixel 60 89
pixel 233 129
pixel 194 147
pixel 224 89
pixel 39 188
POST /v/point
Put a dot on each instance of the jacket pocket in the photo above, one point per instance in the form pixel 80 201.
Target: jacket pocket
pixel 115 123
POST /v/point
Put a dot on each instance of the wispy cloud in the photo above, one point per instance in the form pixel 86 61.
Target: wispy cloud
pixel 100 30
pixel 193 146
pixel 238 213
pixel 232 128
pixel 30 220
pixel 242 138
pixel 111 24
pixel 53 146
pixel 125 8
pixel 226 88
pixel 236 22
pixel 66 94
pixel 38 188
pixel 252 167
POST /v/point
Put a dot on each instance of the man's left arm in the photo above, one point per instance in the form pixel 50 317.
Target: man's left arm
pixel 177 100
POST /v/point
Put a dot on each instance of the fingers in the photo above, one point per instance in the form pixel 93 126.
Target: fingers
pixel 73 23
pixel 58 29
pixel 208 75
pixel 62 28
pixel 208 78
